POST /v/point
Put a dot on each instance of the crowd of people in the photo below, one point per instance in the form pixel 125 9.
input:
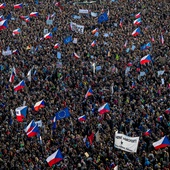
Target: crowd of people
pixel 137 94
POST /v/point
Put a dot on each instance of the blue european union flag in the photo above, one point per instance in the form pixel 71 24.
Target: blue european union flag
pixel 54 29
pixel 62 114
pixel 103 18
pixel 68 40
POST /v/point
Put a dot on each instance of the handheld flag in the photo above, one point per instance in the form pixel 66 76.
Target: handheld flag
pixel 18 6
pixel 1 18
pixel 21 113
pixel 39 105
pixel 63 114
pixel 67 40
pixel 125 45
pixel 162 143
pixel 30 126
pixel 2 6
pixel 12 77
pixel 136 32
pixel 15 52
pixel 91 138
pixel 33 132
pixel 89 93
pixel 48 35
pixel 121 22
pixel 167 111
pixel 54 158
pixel 103 18
pixel 54 123
pixel 152 39
pixel 34 14
pixel 19 86
pixel 146 59
pixel 147 133
pixel 76 55
pixel 29 75
pixel 104 109
pixel 133 85
pixel 162 39
pixel 138 15
pixel 95 30
pixel 137 22
pixel 27 19
pixel 16 31
pixel 3 24
pixel 160 118
pixel 93 44
pixel 82 118
pixel 56 45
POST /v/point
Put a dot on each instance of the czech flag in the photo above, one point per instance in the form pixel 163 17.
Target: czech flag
pixel 15 52
pixel 125 45
pixel 48 36
pixel 76 55
pixel 3 24
pixel 160 118
pixel 162 39
pixel 27 19
pixel 146 59
pixel 1 18
pixel 56 45
pixel 82 118
pixel 23 17
pixel 152 39
pixel 21 112
pixel 18 6
pixel 167 111
pixel 19 86
pixel 95 30
pixel 12 77
pixel 162 143
pixel 93 43
pixel 104 109
pixel 129 64
pixel 89 93
pixel 137 21
pixel 138 15
pixel 54 158
pixel 147 133
pixel 2 6
pixel 17 31
pixel 34 132
pixel 34 14
pixel 133 84
pixel 121 22
pixel 39 105
pixel 136 32
pixel 30 126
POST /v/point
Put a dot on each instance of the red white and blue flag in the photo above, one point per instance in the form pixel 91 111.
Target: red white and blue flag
pixel 146 59
pixel 138 15
pixel 57 45
pixel 167 111
pixel 12 77
pixel 162 143
pixel 18 6
pixel 76 55
pixel 21 113
pixel 2 6
pixel 89 93
pixel 136 32
pixel 93 44
pixel 1 18
pixel 137 22
pixel 95 30
pixel 48 35
pixel 39 105
pixel 162 39
pixel 54 158
pixel 82 118
pixel 104 109
pixel 3 24
pixel 16 31
pixel 34 14
pixel 147 133
pixel 30 126
pixel 121 22
pixel 34 132
pixel 19 86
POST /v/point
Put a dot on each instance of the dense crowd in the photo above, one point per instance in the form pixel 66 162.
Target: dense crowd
pixel 63 82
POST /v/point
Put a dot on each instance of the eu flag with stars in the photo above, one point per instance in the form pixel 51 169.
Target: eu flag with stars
pixel 103 18
pixel 68 40
pixel 62 114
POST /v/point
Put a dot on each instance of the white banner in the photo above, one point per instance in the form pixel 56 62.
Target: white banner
pixel 83 11
pixel 77 28
pixel 126 143
pixel 93 14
